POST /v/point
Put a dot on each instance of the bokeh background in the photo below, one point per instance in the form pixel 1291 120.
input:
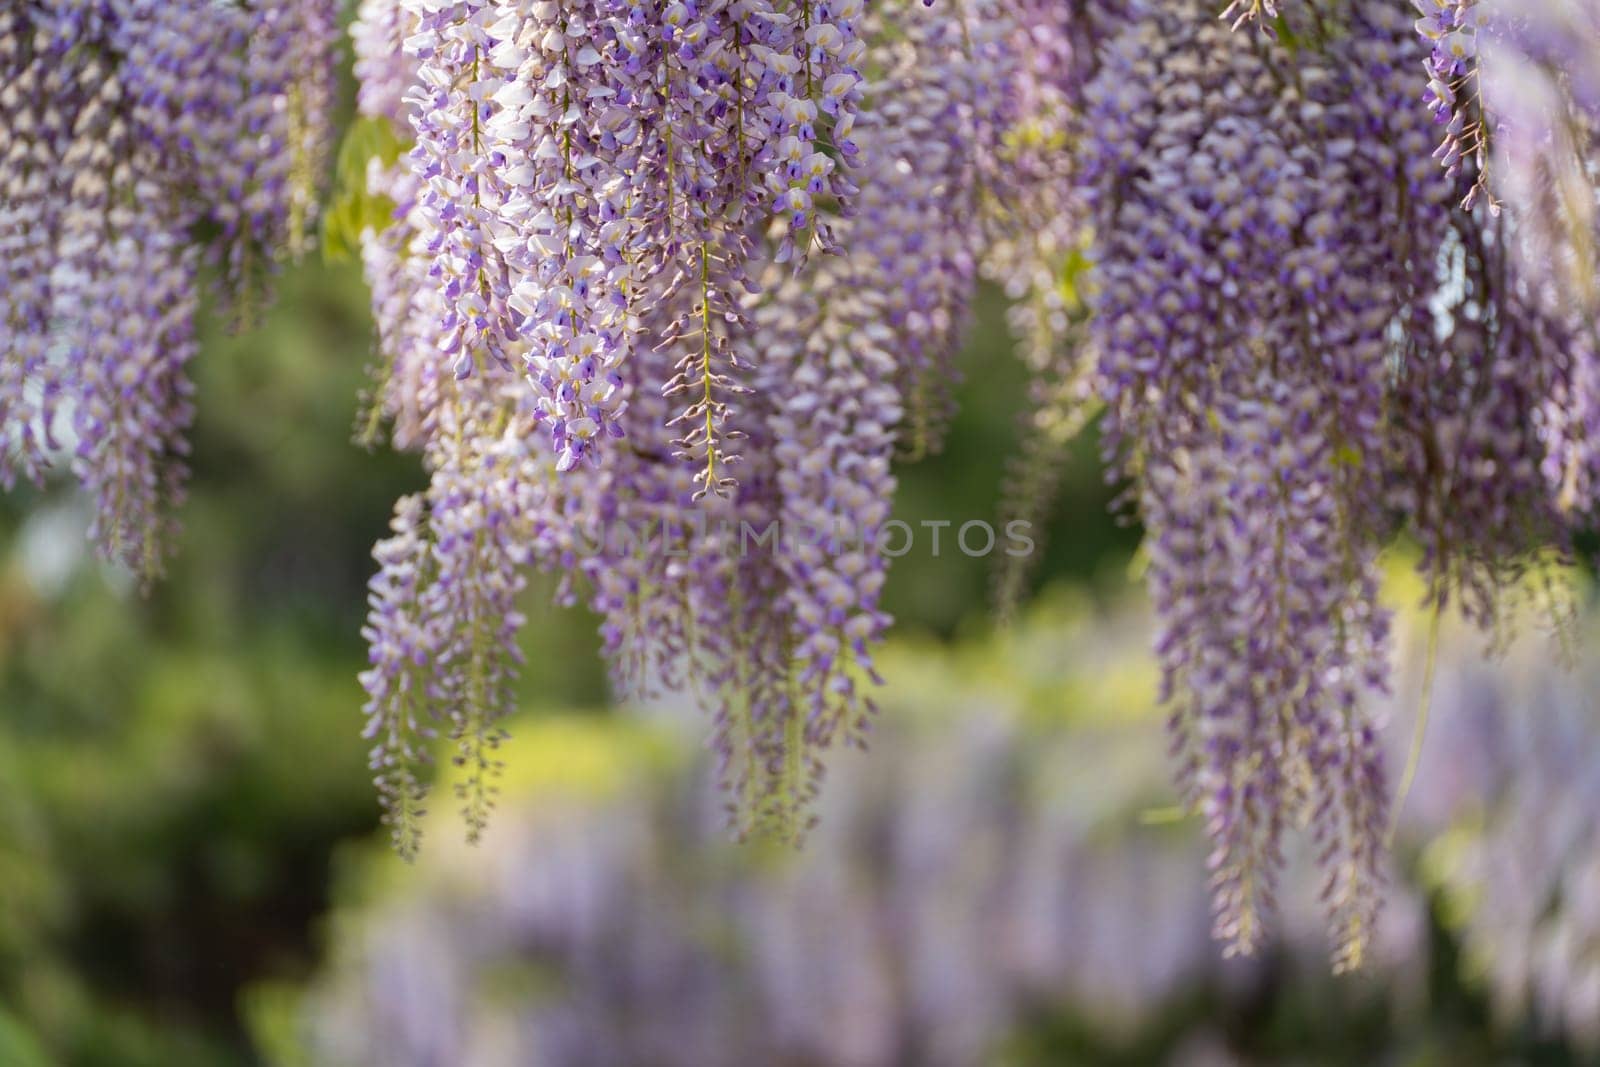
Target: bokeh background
pixel 191 871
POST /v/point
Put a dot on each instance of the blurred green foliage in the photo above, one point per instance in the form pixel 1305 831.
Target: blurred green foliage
pixel 352 209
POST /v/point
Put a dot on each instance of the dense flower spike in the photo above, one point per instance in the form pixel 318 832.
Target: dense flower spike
pixel 444 619
pixel 383 69
pixel 1454 93
pixel 566 206
pixel 401 642
pixel 826 339
pixel 961 75
pixel 1300 339
pixel 39 100
pixel 450 110
pixel 126 128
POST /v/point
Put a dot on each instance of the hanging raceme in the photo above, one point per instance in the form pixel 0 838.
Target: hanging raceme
pixel 1310 338
pixel 127 128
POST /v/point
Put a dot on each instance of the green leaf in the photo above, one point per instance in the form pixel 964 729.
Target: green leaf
pixel 351 208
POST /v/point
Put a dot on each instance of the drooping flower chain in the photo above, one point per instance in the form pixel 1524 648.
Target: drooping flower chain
pixel 576 153
pixel 654 191
pixel 1291 378
pixel 126 126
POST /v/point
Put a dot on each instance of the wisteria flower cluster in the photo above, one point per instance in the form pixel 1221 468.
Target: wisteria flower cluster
pixel 1308 341
pixel 661 287
pixel 141 142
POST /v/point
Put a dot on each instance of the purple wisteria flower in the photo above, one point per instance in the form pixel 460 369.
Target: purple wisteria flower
pixel 1253 250
pixel 720 284
pixel 127 127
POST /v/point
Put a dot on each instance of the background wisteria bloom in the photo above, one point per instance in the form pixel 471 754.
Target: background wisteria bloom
pixel 1027 873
